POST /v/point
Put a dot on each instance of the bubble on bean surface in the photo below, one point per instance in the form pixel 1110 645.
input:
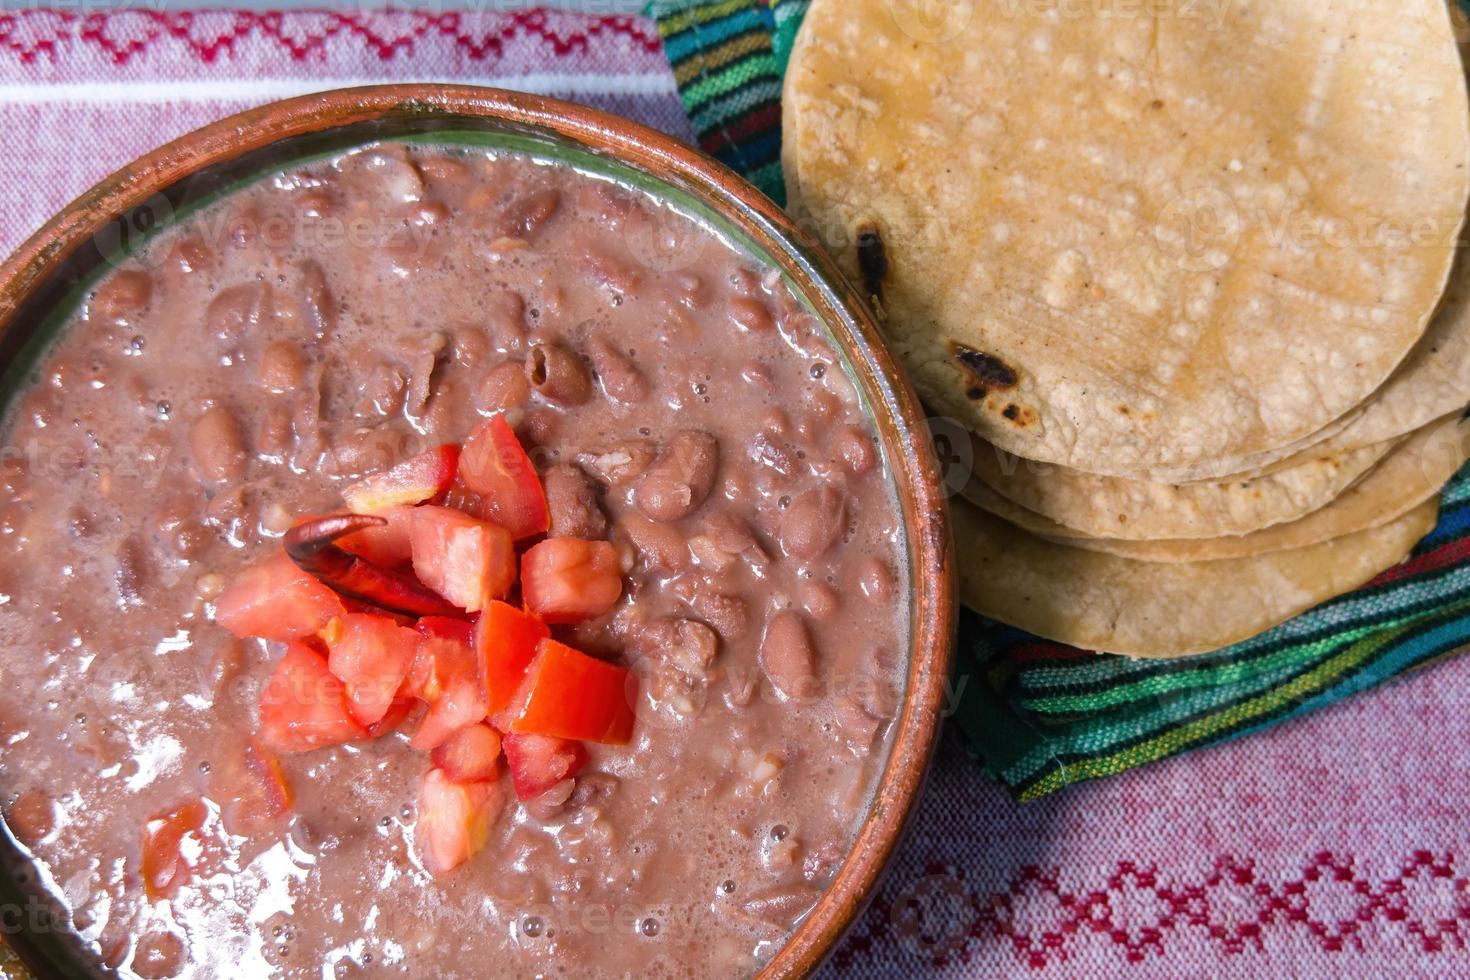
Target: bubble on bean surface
pixel 532 925
pixel 779 832
pixel 649 927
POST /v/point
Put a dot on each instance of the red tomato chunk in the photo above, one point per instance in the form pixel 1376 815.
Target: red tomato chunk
pixel 388 544
pixel 165 864
pixel 413 481
pixel 444 674
pixel 495 466
pixel 304 705
pixel 571 695
pixel 505 643
pixel 539 762
pixel 467 561
pixel 453 819
pixel 276 600
pixel 470 755
pixel 371 655
pixel 567 580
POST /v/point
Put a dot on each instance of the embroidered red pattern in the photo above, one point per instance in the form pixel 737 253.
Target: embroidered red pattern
pixel 35 34
pixel 941 920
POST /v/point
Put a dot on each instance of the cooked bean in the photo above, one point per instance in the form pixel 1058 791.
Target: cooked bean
pixel 751 315
pixel 681 478
pixel 855 449
pixel 610 272
pixel 781 906
pixel 364 450
pixel 470 347
pixel 503 386
pixel 726 613
pixel 787 656
pixel 621 464
pixel 571 497
pixel 315 202
pixel 818 599
pixel 732 535
pixel 660 545
pixel 530 213
pixel 875 580
pixel 177 528
pixel 813 522
pixel 558 375
pixel 445 169
pixel 124 293
pixel 685 643
pixel 321 305
pixel 505 319
pixel 765 450
pixel 621 379
pixel 191 255
pixel 236 311
pixel 217 447
pixel 381 387
pixel 281 367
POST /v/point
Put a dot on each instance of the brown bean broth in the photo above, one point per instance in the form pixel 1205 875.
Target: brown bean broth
pixel 386 280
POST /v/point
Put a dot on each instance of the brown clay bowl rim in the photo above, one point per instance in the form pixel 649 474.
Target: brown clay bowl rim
pixel 891 400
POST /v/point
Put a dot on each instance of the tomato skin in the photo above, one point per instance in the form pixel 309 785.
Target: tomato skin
pixel 568 580
pixel 304 705
pixel 505 644
pixel 469 755
pixel 539 762
pixel 465 560
pixel 570 695
pixel 454 819
pixel 413 481
pixel 495 466
pixel 397 714
pixel 388 544
pixel 371 655
pixel 165 868
pixel 276 600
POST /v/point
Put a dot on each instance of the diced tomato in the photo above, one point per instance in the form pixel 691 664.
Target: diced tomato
pixel 467 561
pixel 413 481
pixel 444 675
pixel 505 643
pixel 447 628
pixel 397 714
pixel 371 654
pixel 454 819
pixel 470 754
pixel 275 792
pixel 539 762
pixel 571 695
pixel 441 657
pixel 388 544
pixel 304 705
pixel 567 580
pixel 276 600
pixel 495 466
pixel 165 867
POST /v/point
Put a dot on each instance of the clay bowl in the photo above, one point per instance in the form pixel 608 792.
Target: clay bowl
pixel 72 247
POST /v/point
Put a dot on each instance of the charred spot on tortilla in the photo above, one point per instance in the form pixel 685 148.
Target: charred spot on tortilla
pixel 872 259
pixel 987 372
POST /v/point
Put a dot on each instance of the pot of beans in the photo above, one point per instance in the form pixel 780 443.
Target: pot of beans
pixel 458 533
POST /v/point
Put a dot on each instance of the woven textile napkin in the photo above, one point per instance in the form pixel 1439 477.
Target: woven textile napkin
pixel 1039 714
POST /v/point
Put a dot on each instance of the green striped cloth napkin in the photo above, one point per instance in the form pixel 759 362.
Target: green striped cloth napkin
pixel 1038 714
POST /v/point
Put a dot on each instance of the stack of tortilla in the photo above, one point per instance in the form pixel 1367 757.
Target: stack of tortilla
pixel 1186 274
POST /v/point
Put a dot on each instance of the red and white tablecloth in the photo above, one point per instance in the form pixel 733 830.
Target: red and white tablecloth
pixel 1337 845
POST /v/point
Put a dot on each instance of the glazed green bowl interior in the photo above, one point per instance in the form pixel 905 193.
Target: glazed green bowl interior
pixel 46 280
